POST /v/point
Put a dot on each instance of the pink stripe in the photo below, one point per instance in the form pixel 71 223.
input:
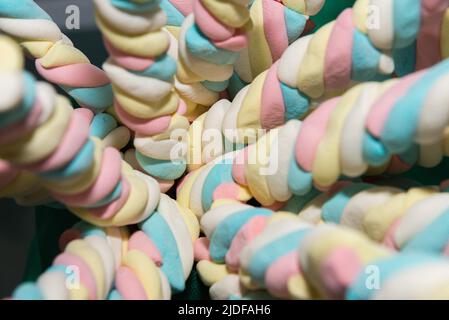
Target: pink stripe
pixel 182 108
pixel 128 285
pixel 279 272
pixel 112 208
pixel 147 127
pixel 210 26
pixel 428 42
pixel 274 27
pixel 7 173
pixel 389 235
pixel 141 242
pixel 272 111
pixel 338 60
pixel 19 129
pixel 339 270
pixel 85 274
pixel 201 249
pixel 73 140
pixel 80 75
pixel 238 167
pixel 379 112
pixel 235 43
pixel 227 190
pixel 244 236
pixel 184 6
pixel 312 131
pixel 125 60
pixel 106 181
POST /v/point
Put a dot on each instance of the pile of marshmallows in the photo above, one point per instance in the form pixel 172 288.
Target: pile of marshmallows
pixel 280 146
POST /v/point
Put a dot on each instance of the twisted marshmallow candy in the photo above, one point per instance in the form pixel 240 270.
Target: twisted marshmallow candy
pixel 27 189
pixel 413 220
pixel 160 257
pixel 276 25
pixel 290 259
pixel 268 37
pixel 84 270
pixel 57 60
pixel 373 128
pixel 341 263
pixel 149 264
pixel 44 135
pixel 248 249
pixel 141 72
pixel 210 41
pixel 321 65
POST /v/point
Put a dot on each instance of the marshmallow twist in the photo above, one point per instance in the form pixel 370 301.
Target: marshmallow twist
pixel 254 253
pixel 45 136
pixel 371 129
pixel 141 72
pixel 57 60
pixel 276 25
pixel 84 270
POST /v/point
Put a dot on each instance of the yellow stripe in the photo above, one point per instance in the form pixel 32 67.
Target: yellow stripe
pixel 297 5
pixel 12 57
pixel 229 13
pixel 190 220
pixel 194 144
pixel 37 49
pixel 326 167
pixel 183 196
pixel 83 250
pixel 43 141
pixel 131 210
pixel 185 74
pixel 145 110
pixel 311 73
pixel 211 272
pixel 258 156
pixel 151 44
pixel 249 113
pixel 146 271
pixel 378 219
pixel 360 15
pixel 259 50
pixel 62 54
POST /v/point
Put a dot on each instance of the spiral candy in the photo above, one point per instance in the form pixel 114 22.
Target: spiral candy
pixel 53 141
pixel 322 65
pixel 57 60
pixel 338 267
pixel 373 128
pixel 306 261
pixel 410 220
pixel 210 41
pixel 84 270
pixel 129 30
pixel 275 26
